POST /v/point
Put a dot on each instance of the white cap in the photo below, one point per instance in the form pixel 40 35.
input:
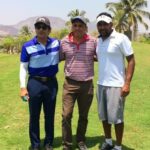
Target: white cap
pixel 104 18
pixel 82 19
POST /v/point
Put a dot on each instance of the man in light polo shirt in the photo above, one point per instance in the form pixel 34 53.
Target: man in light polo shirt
pixel 40 57
pixel 78 50
pixel 113 79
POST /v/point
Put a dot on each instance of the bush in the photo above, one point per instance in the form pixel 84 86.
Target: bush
pixel 144 39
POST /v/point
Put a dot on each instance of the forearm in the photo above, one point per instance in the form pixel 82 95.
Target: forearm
pixel 129 69
pixel 61 56
pixel 23 74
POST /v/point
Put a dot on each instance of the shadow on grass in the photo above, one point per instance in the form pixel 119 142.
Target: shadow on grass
pixel 124 147
pixel 90 141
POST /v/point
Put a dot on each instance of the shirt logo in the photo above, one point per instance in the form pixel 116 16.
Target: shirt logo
pixel 42 19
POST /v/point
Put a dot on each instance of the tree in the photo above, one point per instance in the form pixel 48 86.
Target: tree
pixel 8 44
pixel 20 40
pixel 119 24
pixel 59 34
pixel 11 44
pixel 74 13
pixel 129 14
pixel 25 34
pixel 25 30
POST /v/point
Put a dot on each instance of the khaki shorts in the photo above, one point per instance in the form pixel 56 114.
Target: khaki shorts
pixel 110 104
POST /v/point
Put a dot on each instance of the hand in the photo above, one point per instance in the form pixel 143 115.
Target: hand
pixel 125 90
pixel 24 92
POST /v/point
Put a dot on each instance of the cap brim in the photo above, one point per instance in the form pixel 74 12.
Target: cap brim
pixel 78 19
pixel 43 23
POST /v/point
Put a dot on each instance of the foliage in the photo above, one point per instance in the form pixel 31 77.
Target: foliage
pixel 11 44
pixel 144 39
pixel 21 39
pixel 74 13
pixel 77 12
pixel 14 44
pixel 128 13
pixel 8 43
pixel 25 31
pixel 59 34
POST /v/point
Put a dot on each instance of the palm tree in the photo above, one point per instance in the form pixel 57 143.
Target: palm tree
pixel 129 13
pixel 25 31
pixel 120 25
pixel 74 13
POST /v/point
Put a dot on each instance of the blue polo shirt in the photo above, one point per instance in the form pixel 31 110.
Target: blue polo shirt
pixel 43 60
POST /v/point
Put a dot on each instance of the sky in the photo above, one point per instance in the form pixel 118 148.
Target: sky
pixel 14 11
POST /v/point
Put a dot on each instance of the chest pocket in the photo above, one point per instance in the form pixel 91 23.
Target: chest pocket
pixel 113 48
pixel 69 50
pixel 88 50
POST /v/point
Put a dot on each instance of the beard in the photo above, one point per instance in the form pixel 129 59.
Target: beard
pixel 105 33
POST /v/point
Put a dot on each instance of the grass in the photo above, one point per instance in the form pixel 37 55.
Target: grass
pixel 14 112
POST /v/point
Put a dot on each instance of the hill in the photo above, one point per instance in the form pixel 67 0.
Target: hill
pixel 56 23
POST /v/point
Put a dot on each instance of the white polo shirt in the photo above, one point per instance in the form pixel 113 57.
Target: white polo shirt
pixel 111 63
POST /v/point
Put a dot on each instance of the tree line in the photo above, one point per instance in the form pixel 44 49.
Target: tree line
pixel 127 15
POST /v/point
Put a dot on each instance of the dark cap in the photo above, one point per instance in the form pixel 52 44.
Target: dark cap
pixel 44 20
pixel 80 18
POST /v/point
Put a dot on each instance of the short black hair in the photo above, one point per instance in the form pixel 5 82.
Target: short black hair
pixel 104 13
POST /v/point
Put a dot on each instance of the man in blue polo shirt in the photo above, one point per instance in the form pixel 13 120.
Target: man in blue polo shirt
pixel 40 57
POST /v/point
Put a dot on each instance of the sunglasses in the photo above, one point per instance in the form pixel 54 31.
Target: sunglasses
pixel 39 26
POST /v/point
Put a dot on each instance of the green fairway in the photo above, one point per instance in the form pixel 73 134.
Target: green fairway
pixel 14 112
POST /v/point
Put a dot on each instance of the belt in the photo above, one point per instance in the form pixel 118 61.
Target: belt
pixel 43 79
pixel 78 81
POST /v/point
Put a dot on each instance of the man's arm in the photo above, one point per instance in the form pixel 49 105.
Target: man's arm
pixel 61 53
pixel 23 74
pixel 128 75
pixel 61 56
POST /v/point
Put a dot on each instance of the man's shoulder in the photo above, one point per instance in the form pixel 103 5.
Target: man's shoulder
pixel 52 39
pixel 29 43
pixel 65 39
pixel 92 37
pixel 120 35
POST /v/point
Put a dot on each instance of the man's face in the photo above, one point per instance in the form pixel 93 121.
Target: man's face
pixel 104 28
pixel 42 30
pixel 79 28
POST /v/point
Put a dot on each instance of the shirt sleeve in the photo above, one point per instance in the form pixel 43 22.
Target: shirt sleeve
pixel 23 74
pixel 126 46
pixel 24 55
pixel 61 53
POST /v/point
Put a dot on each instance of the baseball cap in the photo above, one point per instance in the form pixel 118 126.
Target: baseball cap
pixel 44 20
pixel 80 18
pixel 104 18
